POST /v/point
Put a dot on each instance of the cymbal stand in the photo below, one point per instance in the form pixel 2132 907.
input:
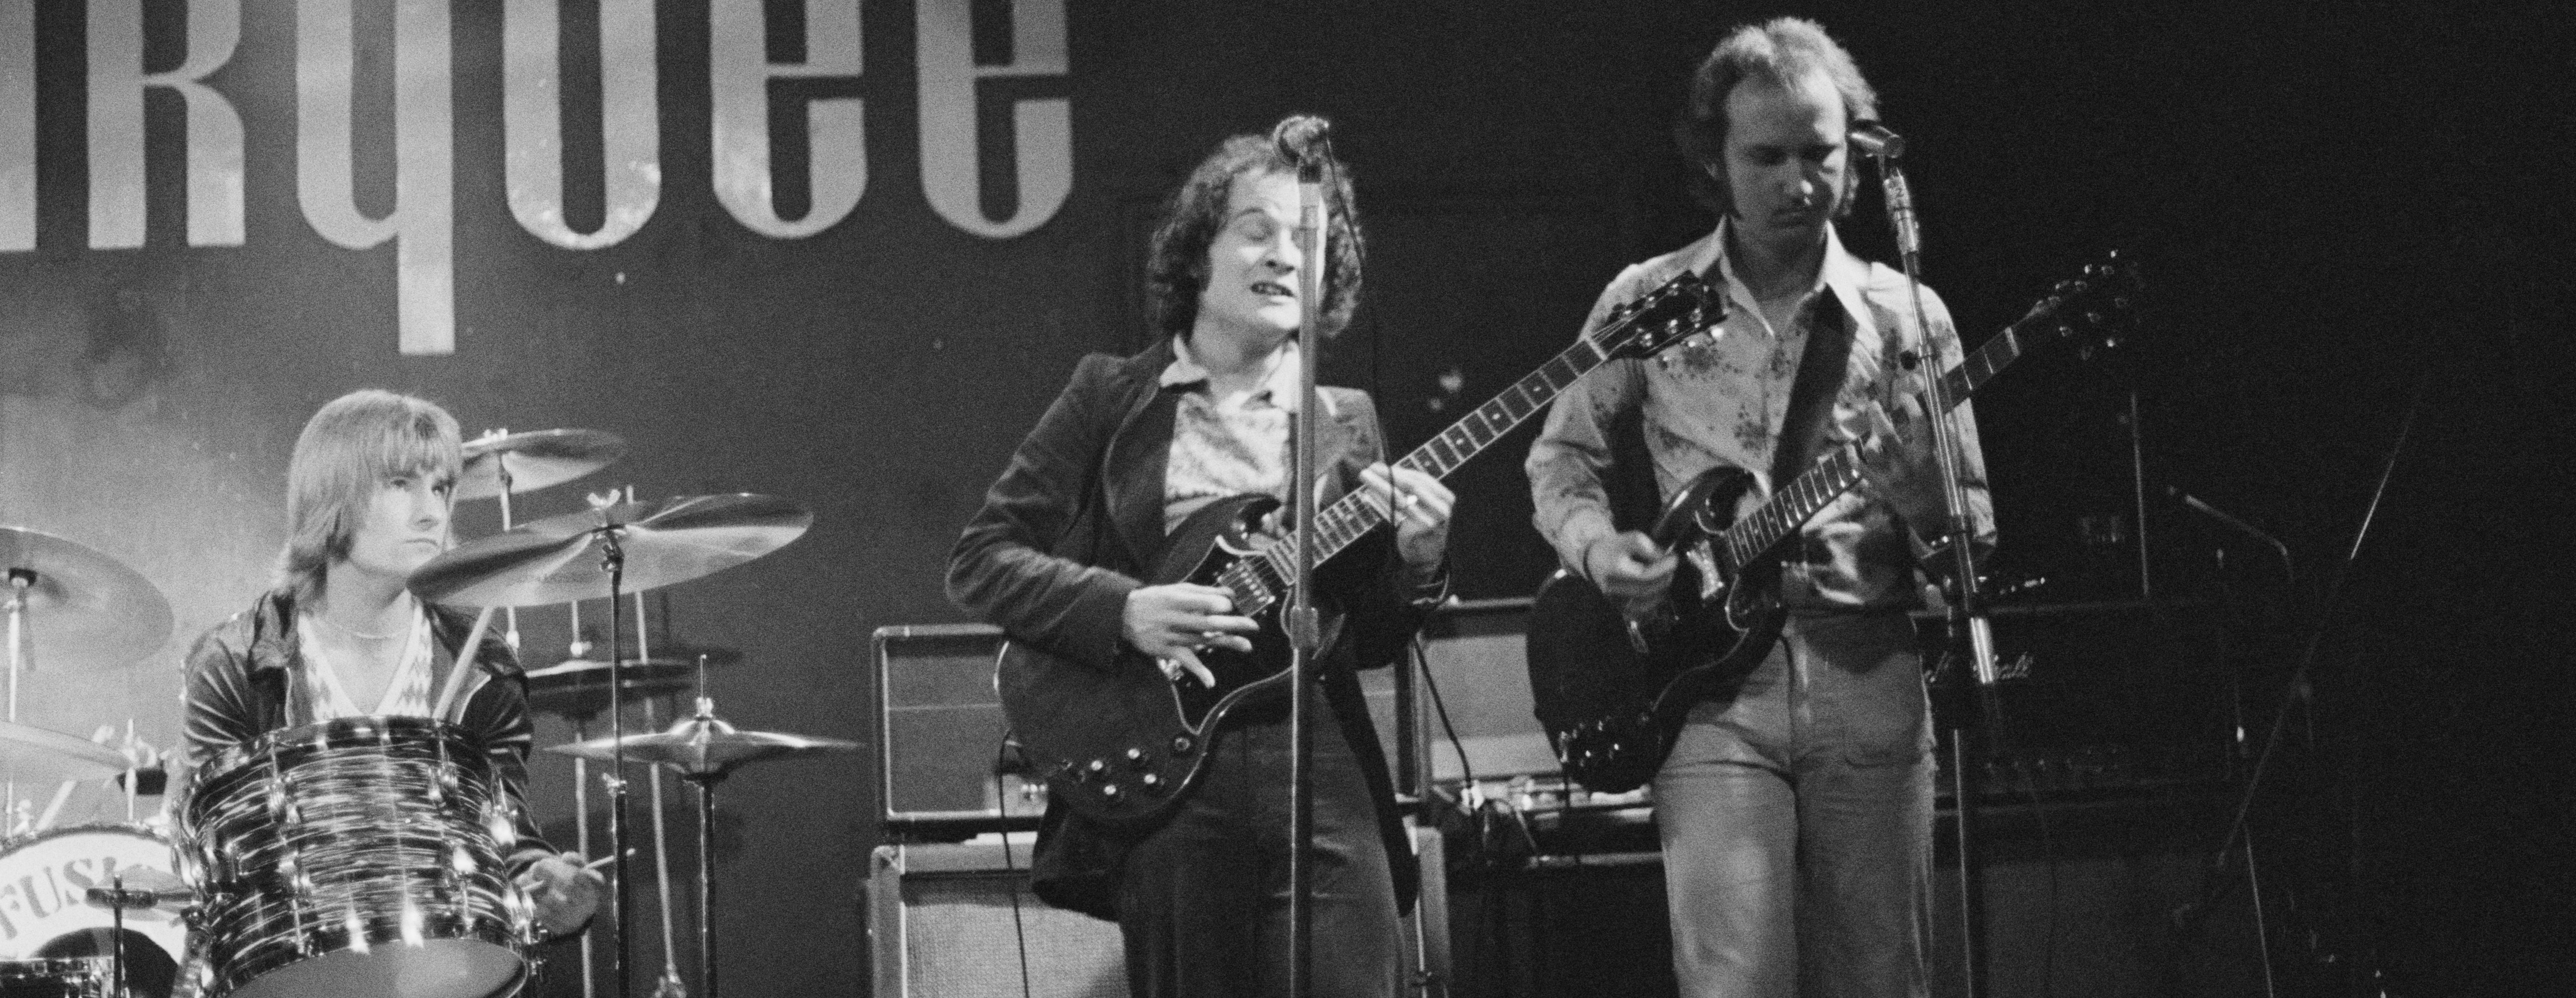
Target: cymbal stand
pixel 706 782
pixel 510 614
pixel 580 647
pixel 116 938
pixel 20 581
pixel 581 831
pixel 671 985
pixel 613 558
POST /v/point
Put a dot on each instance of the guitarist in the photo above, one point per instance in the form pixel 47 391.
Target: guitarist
pixel 1058 555
pixel 1796 815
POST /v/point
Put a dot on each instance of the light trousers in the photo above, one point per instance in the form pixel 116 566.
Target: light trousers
pixel 1797 821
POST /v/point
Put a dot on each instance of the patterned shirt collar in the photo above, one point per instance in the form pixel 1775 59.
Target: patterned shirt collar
pixel 1279 390
pixel 1842 273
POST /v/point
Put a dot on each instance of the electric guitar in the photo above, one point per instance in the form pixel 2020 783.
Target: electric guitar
pixel 1612 683
pixel 1122 743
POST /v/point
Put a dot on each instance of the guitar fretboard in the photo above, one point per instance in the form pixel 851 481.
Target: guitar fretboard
pixel 1647 327
pixel 1840 470
pixel 1343 522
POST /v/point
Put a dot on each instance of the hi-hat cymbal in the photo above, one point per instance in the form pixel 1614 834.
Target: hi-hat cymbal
pixel 579 687
pixel 703 746
pixel 33 753
pixel 137 888
pixel 85 610
pixel 535 459
pixel 559 559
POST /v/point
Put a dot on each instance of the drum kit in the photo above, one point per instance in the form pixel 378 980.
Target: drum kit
pixel 370 855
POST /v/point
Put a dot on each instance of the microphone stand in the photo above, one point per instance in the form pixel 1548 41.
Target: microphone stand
pixel 1305 637
pixel 1982 727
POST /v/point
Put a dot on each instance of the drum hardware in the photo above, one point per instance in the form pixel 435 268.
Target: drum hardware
pixel 68 881
pixel 97 614
pixel 609 551
pixel 499 463
pixel 76 977
pixel 705 749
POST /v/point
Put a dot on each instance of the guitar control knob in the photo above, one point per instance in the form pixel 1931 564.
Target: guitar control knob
pixel 1097 767
pixel 1137 759
pixel 1183 745
pixel 1153 783
pixel 1109 791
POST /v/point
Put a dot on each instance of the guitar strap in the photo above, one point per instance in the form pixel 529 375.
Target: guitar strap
pixel 1821 370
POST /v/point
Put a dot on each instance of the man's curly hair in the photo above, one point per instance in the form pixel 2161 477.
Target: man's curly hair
pixel 1176 266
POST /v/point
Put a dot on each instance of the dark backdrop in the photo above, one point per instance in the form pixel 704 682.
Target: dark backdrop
pixel 2342 207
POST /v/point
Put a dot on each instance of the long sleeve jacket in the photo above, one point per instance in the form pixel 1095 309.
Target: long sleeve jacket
pixel 1075 523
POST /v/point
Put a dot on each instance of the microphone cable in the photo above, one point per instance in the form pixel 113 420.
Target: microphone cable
pixel 1010 867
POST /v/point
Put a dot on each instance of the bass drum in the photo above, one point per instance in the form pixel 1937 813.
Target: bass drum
pixel 47 922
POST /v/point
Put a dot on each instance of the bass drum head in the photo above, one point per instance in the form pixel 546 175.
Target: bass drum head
pixel 45 914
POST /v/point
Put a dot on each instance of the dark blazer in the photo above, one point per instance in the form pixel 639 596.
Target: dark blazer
pixel 1075 523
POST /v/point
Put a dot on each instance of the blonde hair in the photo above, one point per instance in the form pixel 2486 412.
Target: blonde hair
pixel 347 451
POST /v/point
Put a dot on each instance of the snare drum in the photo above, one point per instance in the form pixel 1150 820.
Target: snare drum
pixel 360 856
pixel 44 910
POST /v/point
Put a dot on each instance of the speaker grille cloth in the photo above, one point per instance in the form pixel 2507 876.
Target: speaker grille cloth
pixel 958 943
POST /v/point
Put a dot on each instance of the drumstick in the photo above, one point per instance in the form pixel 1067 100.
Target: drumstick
pixel 465 655
pixel 603 861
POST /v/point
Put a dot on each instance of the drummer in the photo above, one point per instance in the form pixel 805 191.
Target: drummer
pixel 368 496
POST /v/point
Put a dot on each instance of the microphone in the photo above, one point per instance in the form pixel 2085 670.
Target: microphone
pixel 1306 141
pixel 2221 516
pixel 1875 141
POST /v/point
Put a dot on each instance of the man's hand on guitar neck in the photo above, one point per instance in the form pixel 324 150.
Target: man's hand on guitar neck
pixel 1629 566
pixel 1173 623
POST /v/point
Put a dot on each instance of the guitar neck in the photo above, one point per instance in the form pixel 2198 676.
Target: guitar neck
pixel 1345 521
pixel 1838 471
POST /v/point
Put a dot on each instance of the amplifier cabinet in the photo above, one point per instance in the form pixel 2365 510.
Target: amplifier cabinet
pixel 957 920
pixel 939 733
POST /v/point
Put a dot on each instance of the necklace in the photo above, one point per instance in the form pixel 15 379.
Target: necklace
pixel 356 633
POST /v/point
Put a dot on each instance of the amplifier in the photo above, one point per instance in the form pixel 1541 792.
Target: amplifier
pixel 957 920
pixel 2097 697
pixel 939 734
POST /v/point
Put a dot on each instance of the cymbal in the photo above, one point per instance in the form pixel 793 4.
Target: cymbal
pixel 579 687
pixel 688 653
pixel 536 459
pixel 559 559
pixel 85 610
pixel 143 887
pixel 33 753
pixel 704 746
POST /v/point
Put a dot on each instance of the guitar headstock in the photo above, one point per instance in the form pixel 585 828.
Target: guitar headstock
pixel 1683 307
pixel 2098 305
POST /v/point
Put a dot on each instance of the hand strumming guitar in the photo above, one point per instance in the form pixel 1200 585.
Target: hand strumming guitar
pixel 1629 566
pixel 1174 622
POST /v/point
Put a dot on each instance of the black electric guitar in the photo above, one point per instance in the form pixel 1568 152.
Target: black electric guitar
pixel 1119 742
pixel 1612 683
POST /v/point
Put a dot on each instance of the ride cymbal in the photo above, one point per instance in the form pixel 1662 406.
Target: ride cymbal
pixel 563 558
pixel 534 460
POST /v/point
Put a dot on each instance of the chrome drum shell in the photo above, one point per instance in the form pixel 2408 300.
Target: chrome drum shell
pixel 356 856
